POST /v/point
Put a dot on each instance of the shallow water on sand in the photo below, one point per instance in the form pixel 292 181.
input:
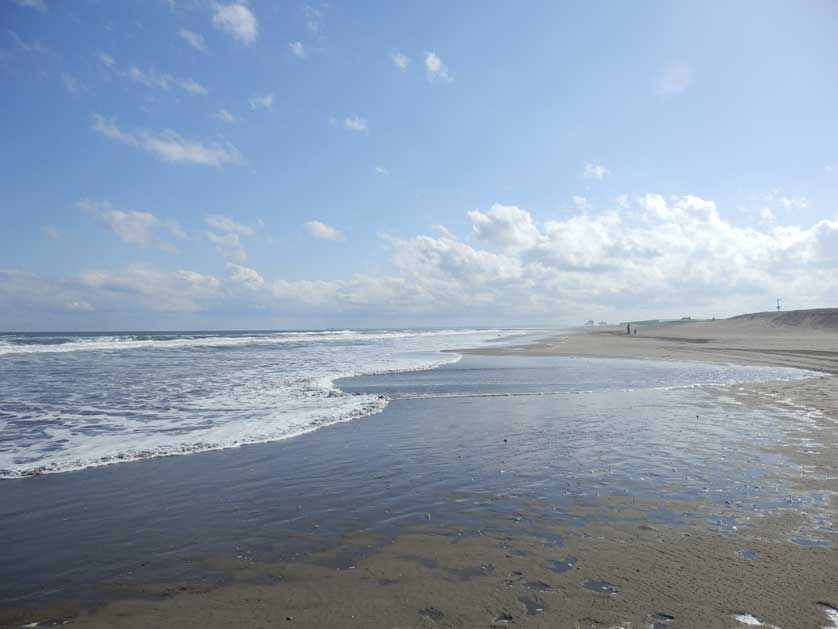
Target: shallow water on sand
pixel 485 438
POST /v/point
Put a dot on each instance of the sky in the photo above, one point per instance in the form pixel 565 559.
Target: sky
pixel 202 164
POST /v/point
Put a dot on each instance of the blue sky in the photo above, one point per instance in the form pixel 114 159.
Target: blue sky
pixel 198 164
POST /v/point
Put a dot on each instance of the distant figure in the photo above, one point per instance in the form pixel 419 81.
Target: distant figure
pixel 635 330
pixel 628 329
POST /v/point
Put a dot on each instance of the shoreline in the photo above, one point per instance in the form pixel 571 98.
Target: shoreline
pixel 739 343
pixel 520 559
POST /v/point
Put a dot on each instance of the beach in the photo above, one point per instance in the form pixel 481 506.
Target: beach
pixel 585 479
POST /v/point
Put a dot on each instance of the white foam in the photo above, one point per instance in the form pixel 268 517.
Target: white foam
pixel 126 342
pixel 753 621
pixel 832 616
pixel 215 401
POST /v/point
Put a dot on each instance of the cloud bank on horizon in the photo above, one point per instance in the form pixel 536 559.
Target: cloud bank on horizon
pixel 239 164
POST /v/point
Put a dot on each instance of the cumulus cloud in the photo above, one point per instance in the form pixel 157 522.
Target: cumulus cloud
pixel 245 276
pixel 228 245
pixel 219 222
pixel 136 288
pixel 435 68
pixel 24 292
pixel 150 288
pixel 297 49
pixel 507 226
pixel 52 233
pixel 652 254
pixel 237 21
pixel 151 77
pixel 674 78
pixel 399 60
pixel 261 102
pixel 381 170
pixel 356 123
pixel 225 116
pixel 168 145
pixel 134 226
pixel 193 39
pixel 322 231
pixel 594 171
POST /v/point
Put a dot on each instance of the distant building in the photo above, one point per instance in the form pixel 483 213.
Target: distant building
pixel 589 322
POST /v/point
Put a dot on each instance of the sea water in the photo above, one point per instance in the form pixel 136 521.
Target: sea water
pixel 473 443
pixel 72 401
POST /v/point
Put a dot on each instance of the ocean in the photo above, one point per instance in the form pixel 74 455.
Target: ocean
pixel 73 401
pixel 349 432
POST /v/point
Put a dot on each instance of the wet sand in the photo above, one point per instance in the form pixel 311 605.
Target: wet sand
pixel 603 574
pixel 790 339
pixel 608 561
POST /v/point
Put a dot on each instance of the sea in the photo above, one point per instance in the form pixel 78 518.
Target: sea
pixel 140 455
pixel 74 401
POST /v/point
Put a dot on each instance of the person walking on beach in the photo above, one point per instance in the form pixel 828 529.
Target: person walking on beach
pixel 628 329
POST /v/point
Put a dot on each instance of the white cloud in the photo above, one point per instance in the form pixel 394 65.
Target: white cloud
pixel 356 123
pixel 399 60
pixel 228 245
pixel 312 17
pixel 594 171
pixel 151 77
pixel 827 168
pixel 28 293
pixel 442 229
pixel 194 278
pixel 28 46
pixel 381 170
pixel 297 49
pixel 52 233
pixel 38 5
pixel 312 292
pixel 134 226
pixel 322 231
pixel 150 289
pixel 777 198
pixel 262 102
pixel 222 223
pixel 71 84
pixel 766 215
pixel 225 116
pixel 580 202
pixel 168 145
pixel 435 67
pixel 245 276
pixel 106 60
pixel 653 255
pixel 194 39
pixel 674 78
pixel 506 226
pixel 236 20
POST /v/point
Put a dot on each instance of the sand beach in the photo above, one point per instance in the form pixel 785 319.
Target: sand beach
pixel 709 506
